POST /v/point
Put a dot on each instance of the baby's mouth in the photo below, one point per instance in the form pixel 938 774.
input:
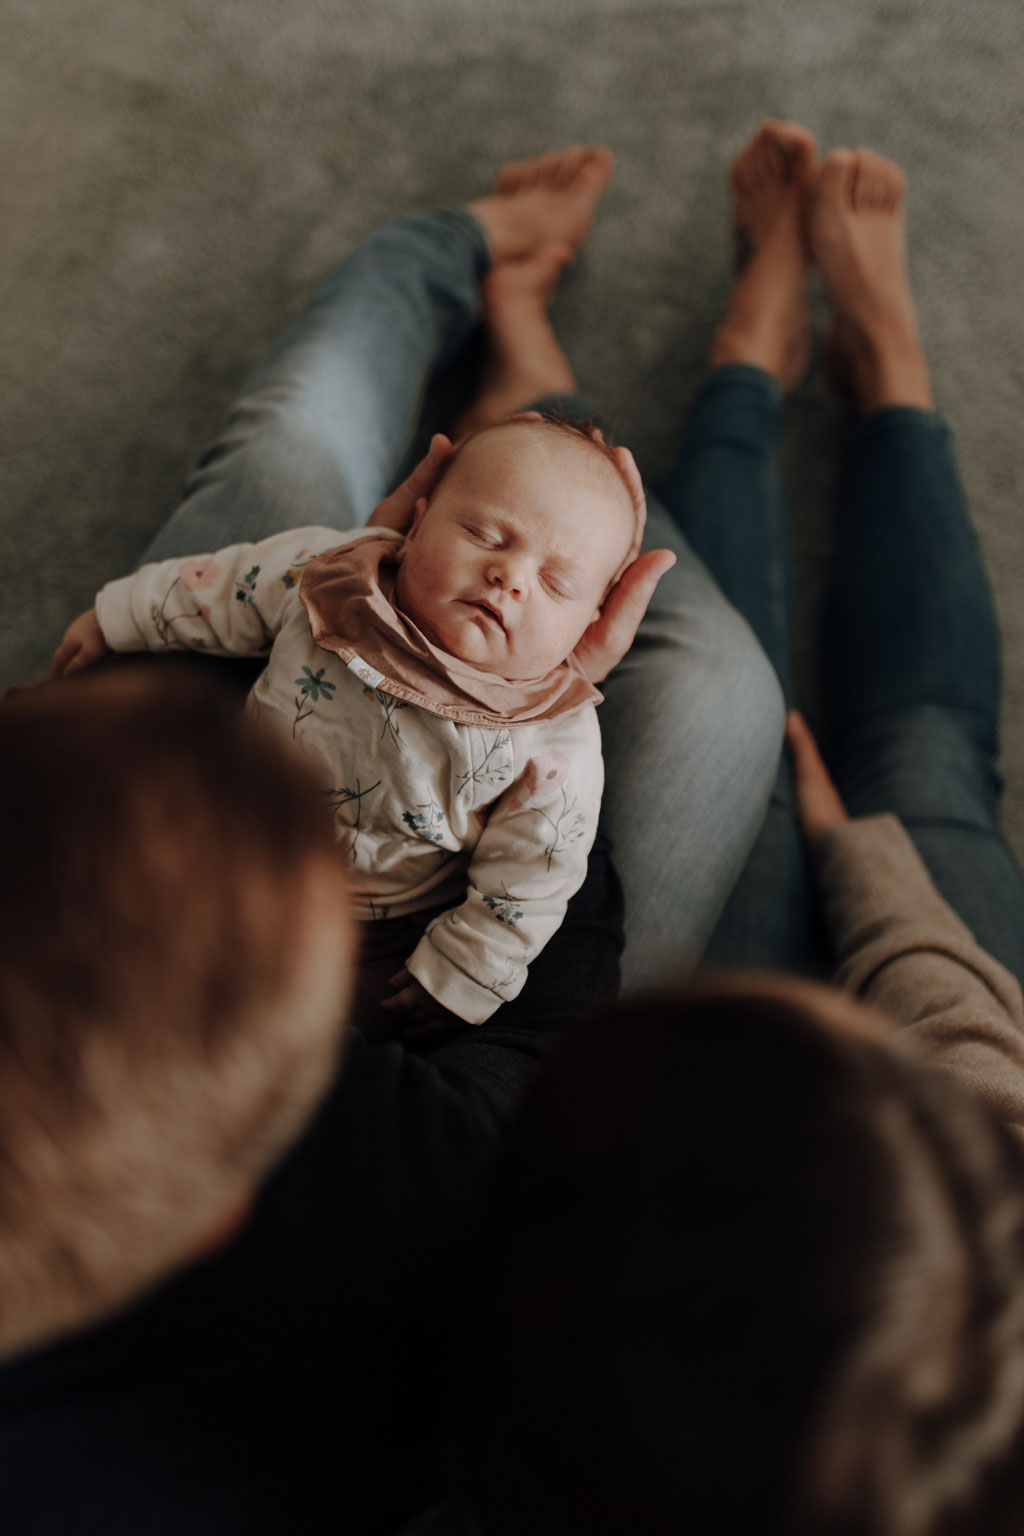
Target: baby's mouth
pixel 492 613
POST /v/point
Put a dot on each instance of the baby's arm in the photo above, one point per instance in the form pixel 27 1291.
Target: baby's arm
pixel 229 603
pixel 531 858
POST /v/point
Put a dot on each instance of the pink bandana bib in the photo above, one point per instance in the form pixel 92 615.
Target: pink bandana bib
pixel 348 595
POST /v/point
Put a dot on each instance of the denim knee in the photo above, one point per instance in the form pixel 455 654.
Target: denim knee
pixel 692 727
pixel 924 763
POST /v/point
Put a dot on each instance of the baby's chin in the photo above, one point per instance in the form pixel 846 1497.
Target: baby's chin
pixel 503 666
pixel 515 672
pixel 516 669
pixel 500 666
pixel 467 643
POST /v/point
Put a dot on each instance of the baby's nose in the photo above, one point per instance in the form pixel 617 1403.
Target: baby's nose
pixel 509 573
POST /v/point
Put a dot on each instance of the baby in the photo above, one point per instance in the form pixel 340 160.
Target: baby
pixel 431 678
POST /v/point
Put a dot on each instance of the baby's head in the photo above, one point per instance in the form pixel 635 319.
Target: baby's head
pixel 509 562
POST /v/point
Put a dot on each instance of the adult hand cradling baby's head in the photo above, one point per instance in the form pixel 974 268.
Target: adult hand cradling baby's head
pixel 517 553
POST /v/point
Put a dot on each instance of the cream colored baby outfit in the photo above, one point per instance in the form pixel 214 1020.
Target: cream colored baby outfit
pixel 449 786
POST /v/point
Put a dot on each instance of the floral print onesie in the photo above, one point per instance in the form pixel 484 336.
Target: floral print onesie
pixel 493 822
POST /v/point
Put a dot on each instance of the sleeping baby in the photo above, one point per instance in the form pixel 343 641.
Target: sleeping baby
pixel 431 678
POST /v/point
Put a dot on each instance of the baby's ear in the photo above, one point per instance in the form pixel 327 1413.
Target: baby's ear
pixel 417 518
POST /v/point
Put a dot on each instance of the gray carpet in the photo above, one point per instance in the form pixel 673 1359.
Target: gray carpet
pixel 175 176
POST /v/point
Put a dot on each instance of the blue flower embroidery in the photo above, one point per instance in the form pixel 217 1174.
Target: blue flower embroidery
pixel 427 821
pixel 505 907
pixel 245 589
pixel 315 685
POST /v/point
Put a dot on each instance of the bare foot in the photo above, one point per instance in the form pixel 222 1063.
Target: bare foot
pixel 552 198
pixel 524 359
pixel 767 323
pixel 858 237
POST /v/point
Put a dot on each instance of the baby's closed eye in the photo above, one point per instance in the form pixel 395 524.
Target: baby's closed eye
pixel 488 536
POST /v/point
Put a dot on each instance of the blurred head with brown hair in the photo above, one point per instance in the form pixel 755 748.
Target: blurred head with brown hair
pixel 175 955
pixel 752 1267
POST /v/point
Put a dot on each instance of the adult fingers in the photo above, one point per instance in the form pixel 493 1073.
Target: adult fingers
pixel 614 630
pixel 396 511
pixel 817 800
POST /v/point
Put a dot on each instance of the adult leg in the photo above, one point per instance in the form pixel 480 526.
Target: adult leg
pixel 320 426
pixel 913 643
pixel 691 726
pixel 692 717
pixel 725 493
pixel 317 429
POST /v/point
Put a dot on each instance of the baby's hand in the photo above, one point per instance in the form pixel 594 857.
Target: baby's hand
pixel 420 1014
pixel 83 644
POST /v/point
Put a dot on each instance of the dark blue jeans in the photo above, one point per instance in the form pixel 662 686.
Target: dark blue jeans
pixel 911 656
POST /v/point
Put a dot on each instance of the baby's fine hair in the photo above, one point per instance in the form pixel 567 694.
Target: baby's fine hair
pixel 577 428
pixel 160 853
pixel 583 430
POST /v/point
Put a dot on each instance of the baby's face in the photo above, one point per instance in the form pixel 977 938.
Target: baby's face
pixel 508 565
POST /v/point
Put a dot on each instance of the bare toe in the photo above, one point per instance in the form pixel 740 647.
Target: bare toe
pixel 799 143
pixel 880 182
pixel 770 177
pixel 739 173
pixel 507 180
pixel 568 166
pixel 596 168
pixel 836 178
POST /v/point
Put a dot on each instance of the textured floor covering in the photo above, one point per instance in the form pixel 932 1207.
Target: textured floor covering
pixel 175 175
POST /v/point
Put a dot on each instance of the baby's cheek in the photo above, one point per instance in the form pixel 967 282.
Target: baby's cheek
pixel 582 621
pixel 553 643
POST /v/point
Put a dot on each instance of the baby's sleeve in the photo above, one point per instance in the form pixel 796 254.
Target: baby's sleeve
pixel 228 603
pixel 529 861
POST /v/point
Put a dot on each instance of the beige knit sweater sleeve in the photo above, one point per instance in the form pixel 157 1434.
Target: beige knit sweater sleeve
pixel 903 950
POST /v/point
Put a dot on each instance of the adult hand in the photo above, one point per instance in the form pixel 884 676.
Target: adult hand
pixel 613 631
pixel 397 510
pixel 817 800
pixel 83 643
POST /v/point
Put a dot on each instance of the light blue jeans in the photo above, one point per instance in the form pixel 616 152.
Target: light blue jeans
pixel 692 717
